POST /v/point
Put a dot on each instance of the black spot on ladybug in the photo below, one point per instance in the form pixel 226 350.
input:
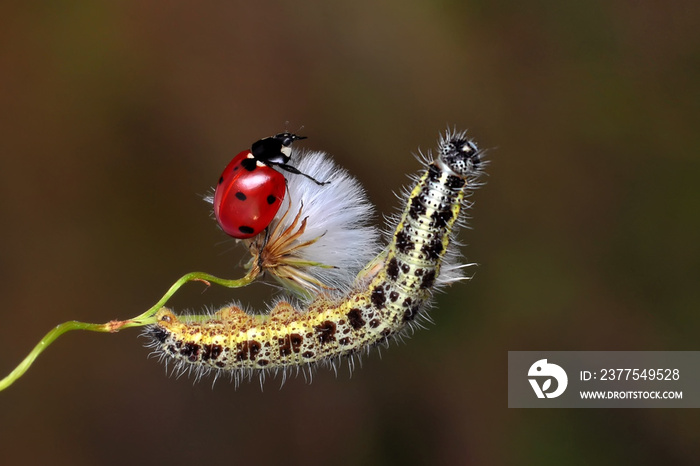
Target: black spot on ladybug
pixel 325 332
pixel 246 229
pixel 240 196
pixel 355 319
pixel 378 297
pixel 271 199
pixel 221 180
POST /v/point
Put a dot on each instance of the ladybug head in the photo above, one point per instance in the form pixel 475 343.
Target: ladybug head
pixel 275 150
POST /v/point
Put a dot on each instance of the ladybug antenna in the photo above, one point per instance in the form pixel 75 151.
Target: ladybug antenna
pixel 296 171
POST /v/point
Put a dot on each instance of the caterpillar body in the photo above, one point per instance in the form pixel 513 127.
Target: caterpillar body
pixel 384 302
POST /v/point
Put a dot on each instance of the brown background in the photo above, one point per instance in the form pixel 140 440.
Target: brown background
pixel 116 116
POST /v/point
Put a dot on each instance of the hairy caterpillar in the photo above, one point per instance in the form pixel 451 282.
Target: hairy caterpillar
pixel 384 301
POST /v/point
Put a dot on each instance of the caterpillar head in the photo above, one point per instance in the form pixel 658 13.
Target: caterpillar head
pixel 459 154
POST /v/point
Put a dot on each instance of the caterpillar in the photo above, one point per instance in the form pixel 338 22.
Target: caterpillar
pixel 387 299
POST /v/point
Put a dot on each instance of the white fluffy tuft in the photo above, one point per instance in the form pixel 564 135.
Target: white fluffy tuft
pixel 339 215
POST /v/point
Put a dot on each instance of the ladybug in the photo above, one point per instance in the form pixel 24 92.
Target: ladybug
pixel 250 191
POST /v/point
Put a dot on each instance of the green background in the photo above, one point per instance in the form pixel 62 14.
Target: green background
pixel 117 116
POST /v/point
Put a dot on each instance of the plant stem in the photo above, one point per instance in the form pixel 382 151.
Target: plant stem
pixel 114 326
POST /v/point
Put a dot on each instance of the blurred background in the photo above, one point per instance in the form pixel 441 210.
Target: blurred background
pixel 118 116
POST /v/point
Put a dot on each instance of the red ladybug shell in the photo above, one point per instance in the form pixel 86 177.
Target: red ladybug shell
pixel 248 196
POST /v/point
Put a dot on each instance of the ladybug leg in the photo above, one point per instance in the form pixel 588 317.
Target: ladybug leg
pixel 296 171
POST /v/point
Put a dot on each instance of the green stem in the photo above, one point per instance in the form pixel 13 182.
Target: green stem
pixel 45 342
pixel 114 326
pixel 194 276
